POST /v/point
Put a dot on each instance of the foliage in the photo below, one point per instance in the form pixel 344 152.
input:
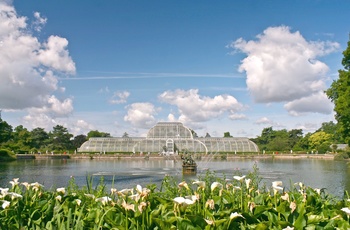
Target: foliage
pixel 5 131
pixel 96 133
pixel 208 203
pixel 6 155
pixel 339 93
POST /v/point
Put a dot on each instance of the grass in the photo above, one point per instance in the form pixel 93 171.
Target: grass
pixel 211 202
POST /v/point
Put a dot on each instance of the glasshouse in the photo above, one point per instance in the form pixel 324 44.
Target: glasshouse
pixel 168 137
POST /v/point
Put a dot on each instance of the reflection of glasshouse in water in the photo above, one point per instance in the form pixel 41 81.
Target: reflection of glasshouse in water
pixel 169 137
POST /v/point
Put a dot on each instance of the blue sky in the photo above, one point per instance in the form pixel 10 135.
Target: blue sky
pixel 122 66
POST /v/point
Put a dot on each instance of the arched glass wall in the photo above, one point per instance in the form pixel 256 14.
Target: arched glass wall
pixel 169 136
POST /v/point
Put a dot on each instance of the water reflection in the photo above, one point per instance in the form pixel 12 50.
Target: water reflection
pixel 317 173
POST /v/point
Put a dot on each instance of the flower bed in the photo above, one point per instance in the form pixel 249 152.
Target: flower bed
pixel 210 202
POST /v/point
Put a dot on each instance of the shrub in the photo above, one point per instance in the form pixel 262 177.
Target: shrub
pixel 341 156
pixel 7 155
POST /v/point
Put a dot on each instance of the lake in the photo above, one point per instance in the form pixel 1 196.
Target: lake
pixel 126 173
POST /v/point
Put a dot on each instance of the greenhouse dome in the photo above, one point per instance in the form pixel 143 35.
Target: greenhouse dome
pixel 169 137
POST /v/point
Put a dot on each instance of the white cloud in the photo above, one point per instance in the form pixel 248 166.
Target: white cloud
pixel 317 102
pixel 29 69
pixel 263 121
pixel 194 108
pixel 39 21
pixel 281 66
pixel 141 115
pixel 119 97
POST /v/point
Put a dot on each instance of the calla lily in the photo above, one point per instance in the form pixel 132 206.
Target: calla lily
pixel 139 188
pixel 4 191
pixel 5 204
pixel 183 184
pixel 104 200
pixel 142 206
pixel 346 210
pixel 239 178
pixel 114 190
pixel 292 206
pixel 127 206
pixel 179 200
pixel 210 204
pixel 235 215
pixel 276 185
pixel 209 222
pixel 285 197
pixel 59 198
pixel 215 185
pixel 247 182
pixel 78 202
pixel 288 228
pixel 14 182
pixel 26 184
pixel 201 184
pixel 90 196
pixel 61 190
pixel 125 192
pixel 14 195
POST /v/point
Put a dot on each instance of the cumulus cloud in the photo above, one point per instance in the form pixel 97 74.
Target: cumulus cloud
pixel 119 97
pixel 263 121
pixel 281 66
pixel 196 108
pixel 39 21
pixel 28 68
pixel 141 115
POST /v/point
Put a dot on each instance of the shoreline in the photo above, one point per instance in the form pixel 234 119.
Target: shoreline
pixel 175 157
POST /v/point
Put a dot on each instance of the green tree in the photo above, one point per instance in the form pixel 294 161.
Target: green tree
pixel 320 141
pixel 79 140
pixel 227 134
pixel 294 136
pixel 96 133
pixel 60 138
pixel 40 138
pixel 21 139
pixel 5 131
pixel 339 93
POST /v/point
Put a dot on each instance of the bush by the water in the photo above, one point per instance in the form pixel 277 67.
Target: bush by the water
pixel 210 202
pixel 7 155
pixel 341 156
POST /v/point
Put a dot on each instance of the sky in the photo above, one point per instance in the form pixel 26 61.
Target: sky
pixel 122 66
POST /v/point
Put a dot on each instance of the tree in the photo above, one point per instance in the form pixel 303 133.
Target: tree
pixel 79 140
pixel 96 133
pixel 125 135
pixel 207 135
pixel 61 138
pixel 5 131
pixel 320 141
pixel 227 134
pixel 295 135
pixel 339 93
pixel 22 138
pixel 40 138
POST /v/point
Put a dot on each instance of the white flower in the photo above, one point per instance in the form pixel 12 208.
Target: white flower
pixel 36 186
pixel 78 202
pixel 247 182
pixel 184 185
pixel 209 222
pixel 104 200
pixel 14 182
pixel 4 191
pixel 346 210
pixel 14 195
pixel 201 184
pixel 235 215
pixel 26 184
pixel 59 198
pixel 288 228
pixel 142 206
pixel 239 178
pixel 183 201
pixel 125 192
pixel 285 197
pixel 215 185
pixel 139 188
pixel 276 186
pixel 114 190
pixel 61 190
pixel 127 206
pixel 5 204
pixel 210 203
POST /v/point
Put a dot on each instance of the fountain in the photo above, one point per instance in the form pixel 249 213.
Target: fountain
pixel 189 166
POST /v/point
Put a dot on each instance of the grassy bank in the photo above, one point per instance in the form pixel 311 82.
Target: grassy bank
pixel 207 203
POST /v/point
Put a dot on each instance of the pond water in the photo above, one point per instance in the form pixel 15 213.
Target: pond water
pixel 52 173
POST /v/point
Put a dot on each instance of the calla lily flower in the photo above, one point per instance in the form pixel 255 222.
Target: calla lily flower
pixel 183 201
pixel 90 196
pixel 114 190
pixel 184 185
pixel 78 202
pixel 4 191
pixel 5 204
pixel 14 182
pixel 288 228
pixel 104 200
pixel 235 215
pixel 125 192
pixel 215 185
pixel 201 184
pixel 239 178
pixel 210 203
pixel 247 182
pixel 127 206
pixel 142 206
pixel 276 185
pixel 285 197
pixel 346 210
pixel 61 190
pixel 14 195
pixel 26 184
pixel 59 198
pixel 209 222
